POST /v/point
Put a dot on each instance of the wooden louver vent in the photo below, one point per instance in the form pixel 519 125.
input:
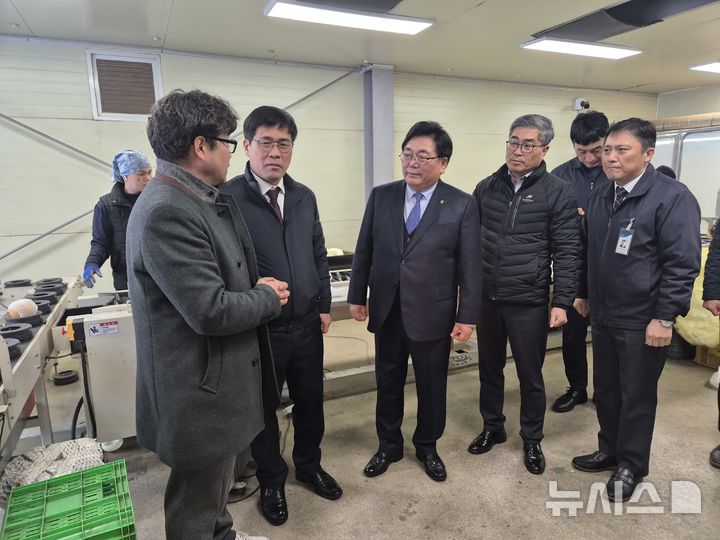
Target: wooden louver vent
pixel 125 87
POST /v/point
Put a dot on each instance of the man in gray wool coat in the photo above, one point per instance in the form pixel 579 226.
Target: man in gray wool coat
pixel 199 308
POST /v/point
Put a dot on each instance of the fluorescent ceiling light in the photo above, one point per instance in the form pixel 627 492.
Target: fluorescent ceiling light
pixel 348 18
pixel 580 48
pixel 713 67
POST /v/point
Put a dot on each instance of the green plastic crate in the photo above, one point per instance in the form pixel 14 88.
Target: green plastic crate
pixel 89 505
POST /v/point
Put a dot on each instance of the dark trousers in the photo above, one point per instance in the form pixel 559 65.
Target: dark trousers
pixel 625 377
pixel 430 362
pixel 574 349
pixel 298 358
pixel 527 329
pixel 196 503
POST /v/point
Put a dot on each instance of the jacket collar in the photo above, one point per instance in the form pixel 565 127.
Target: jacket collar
pixel 119 197
pixel 187 180
pixel 644 183
pixel 503 174
pixel 641 188
pixel 432 211
pixel 288 182
pixel 291 193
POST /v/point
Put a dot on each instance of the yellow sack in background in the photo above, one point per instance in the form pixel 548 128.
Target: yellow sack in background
pixel 699 327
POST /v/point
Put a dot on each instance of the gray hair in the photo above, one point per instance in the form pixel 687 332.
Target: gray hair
pixel 179 117
pixel 536 121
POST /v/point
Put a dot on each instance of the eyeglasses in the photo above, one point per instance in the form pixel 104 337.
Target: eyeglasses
pixel 407 157
pixel 525 147
pixel 231 143
pixel 266 145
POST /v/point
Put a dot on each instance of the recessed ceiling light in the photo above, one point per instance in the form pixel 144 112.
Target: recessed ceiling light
pixel 156 38
pixel 288 9
pixel 15 25
pixel 713 67
pixel 580 48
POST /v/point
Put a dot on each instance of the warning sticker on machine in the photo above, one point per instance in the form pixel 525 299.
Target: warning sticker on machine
pixel 104 328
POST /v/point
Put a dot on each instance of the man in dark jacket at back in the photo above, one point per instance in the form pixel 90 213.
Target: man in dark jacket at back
pixel 643 254
pixel 584 172
pixel 284 223
pixel 711 297
pixel 529 220
pixel 197 306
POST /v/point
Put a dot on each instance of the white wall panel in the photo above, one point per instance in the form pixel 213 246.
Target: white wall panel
pixel 692 101
pixel 43 80
pixel 46 87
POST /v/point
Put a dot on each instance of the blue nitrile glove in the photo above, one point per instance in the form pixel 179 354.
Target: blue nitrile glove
pixel 88 277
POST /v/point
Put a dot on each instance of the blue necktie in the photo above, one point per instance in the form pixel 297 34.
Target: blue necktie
pixel 413 218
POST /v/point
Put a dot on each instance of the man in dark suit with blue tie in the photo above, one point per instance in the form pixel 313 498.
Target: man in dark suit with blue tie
pixel 418 252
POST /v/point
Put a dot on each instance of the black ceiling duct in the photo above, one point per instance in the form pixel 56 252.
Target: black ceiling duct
pixel 619 19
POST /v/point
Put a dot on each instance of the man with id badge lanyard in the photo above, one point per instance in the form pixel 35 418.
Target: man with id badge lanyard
pixel 642 255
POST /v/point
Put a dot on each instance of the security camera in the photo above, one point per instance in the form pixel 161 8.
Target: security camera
pixel 581 104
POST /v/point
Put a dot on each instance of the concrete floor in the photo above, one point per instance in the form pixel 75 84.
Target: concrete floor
pixel 488 495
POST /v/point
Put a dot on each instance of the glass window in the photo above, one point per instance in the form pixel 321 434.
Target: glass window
pixel 700 169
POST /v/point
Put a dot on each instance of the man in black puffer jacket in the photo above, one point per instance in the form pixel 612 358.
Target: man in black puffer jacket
pixel 529 221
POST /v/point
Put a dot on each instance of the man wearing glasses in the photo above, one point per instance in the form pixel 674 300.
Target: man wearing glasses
pixel 284 223
pixel 528 222
pixel 417 250
pixel 197 303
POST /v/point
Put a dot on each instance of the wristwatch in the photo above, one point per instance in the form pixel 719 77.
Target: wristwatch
pixel 666 324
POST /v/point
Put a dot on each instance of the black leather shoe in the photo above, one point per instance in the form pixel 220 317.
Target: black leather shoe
pixel 379 463
pixel 595 462
pixel 274 505
pixel 534 458
pixel 715 457
pixel 321 483
pixel 434 466
pixel 486 440
pixel 569 399
pixel 626 480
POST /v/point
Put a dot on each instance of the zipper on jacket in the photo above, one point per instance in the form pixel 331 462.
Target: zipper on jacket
pixel 515 211
pixel 602 258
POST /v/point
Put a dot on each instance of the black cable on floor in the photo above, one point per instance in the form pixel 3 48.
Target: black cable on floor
pixel 58 357
pixel 76 414
pixel 282 450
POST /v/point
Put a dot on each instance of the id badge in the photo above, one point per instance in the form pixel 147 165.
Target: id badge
pixel 624 241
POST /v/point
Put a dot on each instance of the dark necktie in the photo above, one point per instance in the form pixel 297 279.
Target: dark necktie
pixel 413 218
pixel 273 196
pixel 620 194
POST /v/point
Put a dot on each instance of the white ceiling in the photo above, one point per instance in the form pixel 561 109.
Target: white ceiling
pixel 472 38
